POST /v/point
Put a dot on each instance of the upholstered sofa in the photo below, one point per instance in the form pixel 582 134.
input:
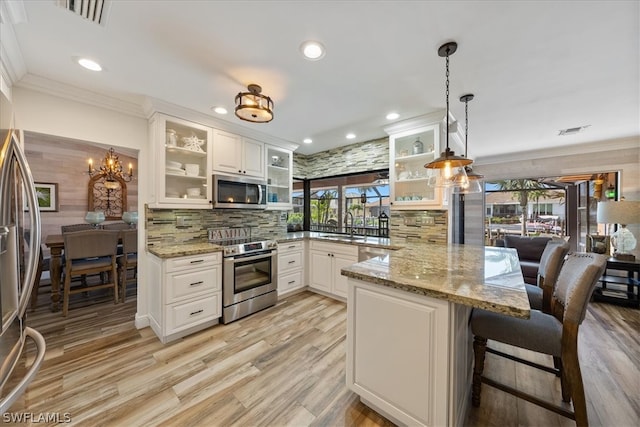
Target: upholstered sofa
pixel 529 252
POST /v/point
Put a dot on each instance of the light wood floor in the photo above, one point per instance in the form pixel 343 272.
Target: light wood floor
pixel 285 366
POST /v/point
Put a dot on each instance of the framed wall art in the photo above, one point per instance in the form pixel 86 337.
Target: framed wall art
pixel 47 193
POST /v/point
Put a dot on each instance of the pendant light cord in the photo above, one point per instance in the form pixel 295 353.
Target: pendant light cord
pixel 447 96
pixel 466 125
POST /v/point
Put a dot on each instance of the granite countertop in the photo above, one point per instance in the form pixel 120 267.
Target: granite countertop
pixel 370 241
pixel 183 249
pixel 483 277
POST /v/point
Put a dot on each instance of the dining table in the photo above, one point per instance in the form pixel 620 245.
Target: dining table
pixel 55 243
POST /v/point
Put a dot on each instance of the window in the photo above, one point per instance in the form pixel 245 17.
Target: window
pixel 345 204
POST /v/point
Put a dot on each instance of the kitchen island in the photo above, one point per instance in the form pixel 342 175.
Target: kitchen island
pixel 409 347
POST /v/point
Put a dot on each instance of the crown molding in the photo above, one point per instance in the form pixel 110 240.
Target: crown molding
pixel 568 150
pixel 131 106
pixel 12 63
pixel 153 105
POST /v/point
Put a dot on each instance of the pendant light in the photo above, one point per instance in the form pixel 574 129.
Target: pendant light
pixel 466 180
pixel 447 160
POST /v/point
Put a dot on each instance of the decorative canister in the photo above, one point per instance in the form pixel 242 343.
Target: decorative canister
pixel 172 137
pixel 418 147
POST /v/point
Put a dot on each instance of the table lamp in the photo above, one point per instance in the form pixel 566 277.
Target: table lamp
pixel 622 212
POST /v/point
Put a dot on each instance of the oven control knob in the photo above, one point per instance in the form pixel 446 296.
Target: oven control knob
pixel 230 251
pixel 272 245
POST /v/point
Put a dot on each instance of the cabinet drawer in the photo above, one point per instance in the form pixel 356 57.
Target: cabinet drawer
pixel 290 247
pixel 287 282
pixel 188 314
pixel 195 261
pixel 187 284
pixel 288 262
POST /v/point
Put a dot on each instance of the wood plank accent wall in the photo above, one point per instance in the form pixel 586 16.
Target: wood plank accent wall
pixel 64 162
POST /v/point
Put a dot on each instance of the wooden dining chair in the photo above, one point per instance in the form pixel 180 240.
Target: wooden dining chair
pixel 76 227
pixel 128 261
pixel 116 226
pixel 89 252
pixel 553 334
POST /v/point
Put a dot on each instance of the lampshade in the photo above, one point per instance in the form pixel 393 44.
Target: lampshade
pixel 621 212
pixel 253 106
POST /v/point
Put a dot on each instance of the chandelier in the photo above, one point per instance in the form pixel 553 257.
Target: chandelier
pixel 111 171
pixel 253 106
pixel 447 160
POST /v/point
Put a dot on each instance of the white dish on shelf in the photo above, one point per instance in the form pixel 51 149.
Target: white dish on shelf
pixel 171 171
pixel 173 165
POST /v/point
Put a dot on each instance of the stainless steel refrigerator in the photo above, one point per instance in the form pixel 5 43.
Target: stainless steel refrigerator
pixel 19 257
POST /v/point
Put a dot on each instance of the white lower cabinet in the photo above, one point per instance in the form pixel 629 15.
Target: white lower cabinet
pixel 186 294
pixel 325 262
pixel 290 266
pixel 409 356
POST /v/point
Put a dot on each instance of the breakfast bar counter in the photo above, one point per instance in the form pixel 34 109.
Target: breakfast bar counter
pixel 484 277
pixel 409 347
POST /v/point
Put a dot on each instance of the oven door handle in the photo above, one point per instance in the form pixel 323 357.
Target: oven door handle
pixel 269 254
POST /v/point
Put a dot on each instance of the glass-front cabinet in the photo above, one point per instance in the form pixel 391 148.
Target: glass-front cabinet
pixel 279 177
pixel 182 162
pixel 412 186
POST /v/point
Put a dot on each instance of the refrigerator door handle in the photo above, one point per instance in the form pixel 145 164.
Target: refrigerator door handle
pixel 11 150
pixel 14 394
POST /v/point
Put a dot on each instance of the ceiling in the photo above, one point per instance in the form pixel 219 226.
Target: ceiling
pixel 534 67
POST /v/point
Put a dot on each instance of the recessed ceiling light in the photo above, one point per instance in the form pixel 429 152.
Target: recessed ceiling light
pixel 307 140
pixel 89 64
pixel 351 136
pixel 392 116
pixel 220 110
pixel 312 50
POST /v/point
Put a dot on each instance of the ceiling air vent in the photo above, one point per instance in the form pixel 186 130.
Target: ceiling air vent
pixel 92 10
pixel 572 131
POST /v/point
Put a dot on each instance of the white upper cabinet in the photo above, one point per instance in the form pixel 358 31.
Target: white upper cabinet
pixel 279 177
pixel 412 186
pixel 237 155
pixel 182 167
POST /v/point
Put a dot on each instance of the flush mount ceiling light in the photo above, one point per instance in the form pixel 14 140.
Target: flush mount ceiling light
pixel 447 159
pixel 466 180
pixel 253 106
pixel 89 64
pixel 312 50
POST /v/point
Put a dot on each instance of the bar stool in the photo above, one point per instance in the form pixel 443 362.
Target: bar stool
pixel 553 334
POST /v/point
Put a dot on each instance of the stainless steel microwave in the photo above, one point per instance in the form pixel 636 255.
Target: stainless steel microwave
pixel 239 192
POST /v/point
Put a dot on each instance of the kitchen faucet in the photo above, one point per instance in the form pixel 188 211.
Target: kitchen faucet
pixel 349 214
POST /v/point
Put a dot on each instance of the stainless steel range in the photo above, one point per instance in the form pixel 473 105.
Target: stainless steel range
pixel 249 272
